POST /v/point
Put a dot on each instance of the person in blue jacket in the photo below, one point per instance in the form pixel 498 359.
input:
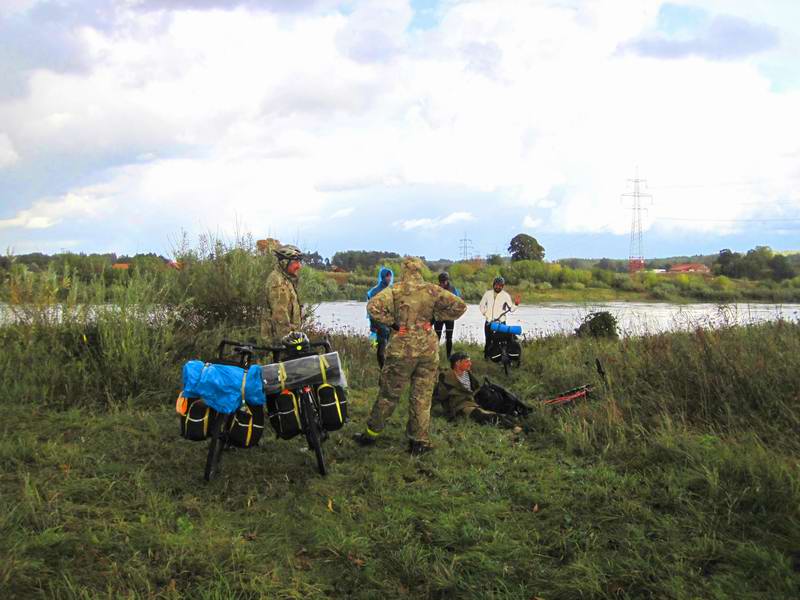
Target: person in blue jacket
pixel 448 326
pixel 379 332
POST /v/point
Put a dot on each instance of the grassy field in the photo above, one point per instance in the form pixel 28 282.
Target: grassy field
pixel 680 478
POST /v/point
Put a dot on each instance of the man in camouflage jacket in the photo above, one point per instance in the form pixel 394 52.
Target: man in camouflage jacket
pixel 282 311
pixel 412 353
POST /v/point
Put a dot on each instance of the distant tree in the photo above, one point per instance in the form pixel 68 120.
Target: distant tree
pixel 525 247
pixel 494 259
pixel 781 268
pixel 314 260
pixel 350 260
pixel 607 264
pixel 572 263
pixel 726 263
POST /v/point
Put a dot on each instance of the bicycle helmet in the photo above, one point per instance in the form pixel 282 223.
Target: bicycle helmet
pixel 499 280
pixel 296 341
pixel 288 252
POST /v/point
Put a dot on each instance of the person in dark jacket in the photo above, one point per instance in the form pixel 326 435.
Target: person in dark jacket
pixel 448 326
pixel 379 333
pixel 456 391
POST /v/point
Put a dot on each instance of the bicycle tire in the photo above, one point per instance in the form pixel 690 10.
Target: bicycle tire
pixel 506 360
pixel 216 446
pixel 313 431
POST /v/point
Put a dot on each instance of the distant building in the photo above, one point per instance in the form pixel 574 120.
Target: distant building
pixel 121 266
pixel 689 268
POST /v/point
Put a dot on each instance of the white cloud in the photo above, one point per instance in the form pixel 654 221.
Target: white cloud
pixel 8 155
pixel 342 212
pixel 428 223
pixel 88 204
pixel 531 223
pixel 220 114
pixel 457 217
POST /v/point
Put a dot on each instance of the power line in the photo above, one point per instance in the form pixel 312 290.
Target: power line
pixel 636 251
pixel 466 248
pixel 725 220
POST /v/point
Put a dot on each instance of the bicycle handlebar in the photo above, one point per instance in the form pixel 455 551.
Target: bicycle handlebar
pixel 246 350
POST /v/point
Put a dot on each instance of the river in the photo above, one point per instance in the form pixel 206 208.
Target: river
pixel 634 318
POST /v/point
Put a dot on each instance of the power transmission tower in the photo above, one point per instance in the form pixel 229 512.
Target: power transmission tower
pixel 636 252
pixel 466 247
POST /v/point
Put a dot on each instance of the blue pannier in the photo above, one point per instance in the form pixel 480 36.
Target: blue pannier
pixel 223 387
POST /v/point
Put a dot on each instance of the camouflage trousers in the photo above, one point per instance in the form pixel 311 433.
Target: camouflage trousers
pixel 396 373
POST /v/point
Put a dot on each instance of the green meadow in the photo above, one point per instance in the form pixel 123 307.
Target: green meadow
pixel 678 478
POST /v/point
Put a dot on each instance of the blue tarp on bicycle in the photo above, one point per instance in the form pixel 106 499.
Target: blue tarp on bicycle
pixel 223 387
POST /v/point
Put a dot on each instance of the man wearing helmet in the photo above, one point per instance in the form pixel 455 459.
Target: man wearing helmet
pixel 412 353
pixel 493 305
pixel 282 311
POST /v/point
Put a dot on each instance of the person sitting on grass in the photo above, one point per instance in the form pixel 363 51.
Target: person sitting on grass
pixel 456 391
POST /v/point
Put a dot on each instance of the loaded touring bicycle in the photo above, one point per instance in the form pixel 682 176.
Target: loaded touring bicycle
pixel 504 348
pixel 224 400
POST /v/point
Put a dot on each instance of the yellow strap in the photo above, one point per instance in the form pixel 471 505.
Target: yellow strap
pixel 249 430
pixel 296 411
pixel 323 365
pixel 372 434
pixel 282 375
pixel 205 421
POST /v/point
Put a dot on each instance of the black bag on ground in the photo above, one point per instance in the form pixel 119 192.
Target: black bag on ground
pixel 247 426
pixel 196 420
pixel 491 396
pixel 284 414
pixel 332 406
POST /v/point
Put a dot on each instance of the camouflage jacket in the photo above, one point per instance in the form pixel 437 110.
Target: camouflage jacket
pixel 413 304
pixel 282 311
pixel 454 397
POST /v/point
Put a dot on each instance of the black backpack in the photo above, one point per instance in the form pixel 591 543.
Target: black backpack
pixel 497 399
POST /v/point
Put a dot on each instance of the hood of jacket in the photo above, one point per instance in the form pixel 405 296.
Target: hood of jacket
pixel 381 285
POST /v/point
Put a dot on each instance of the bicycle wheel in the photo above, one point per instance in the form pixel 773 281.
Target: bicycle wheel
pixel 313 430
pixel 505 359
pixel 219 427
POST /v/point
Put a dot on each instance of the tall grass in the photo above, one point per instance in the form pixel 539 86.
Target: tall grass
pixel 678 478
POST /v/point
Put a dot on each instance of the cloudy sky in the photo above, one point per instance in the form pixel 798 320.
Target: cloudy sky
pixel 400 125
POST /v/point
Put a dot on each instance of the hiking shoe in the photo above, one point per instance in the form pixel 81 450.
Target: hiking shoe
pixel 419 448
pixel 364 440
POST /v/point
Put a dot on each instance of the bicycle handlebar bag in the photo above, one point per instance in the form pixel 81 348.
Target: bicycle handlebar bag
pixel 311 370
pixel 223 387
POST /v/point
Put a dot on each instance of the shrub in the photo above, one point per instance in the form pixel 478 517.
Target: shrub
pixel 601 324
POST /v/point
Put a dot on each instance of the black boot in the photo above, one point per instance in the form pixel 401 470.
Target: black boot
pixel 364 440
pixel 416 448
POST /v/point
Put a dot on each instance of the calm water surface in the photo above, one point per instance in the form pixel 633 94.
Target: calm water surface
pixel 634 318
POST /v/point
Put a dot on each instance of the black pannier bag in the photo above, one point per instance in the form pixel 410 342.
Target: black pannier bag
pixel 513 349
pixel 495 398
pixel 284 414
pixel 247 426
pixel 196 419
pixel 332 405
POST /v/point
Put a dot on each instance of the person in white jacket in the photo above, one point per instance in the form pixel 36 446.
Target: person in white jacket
pixel 494 303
